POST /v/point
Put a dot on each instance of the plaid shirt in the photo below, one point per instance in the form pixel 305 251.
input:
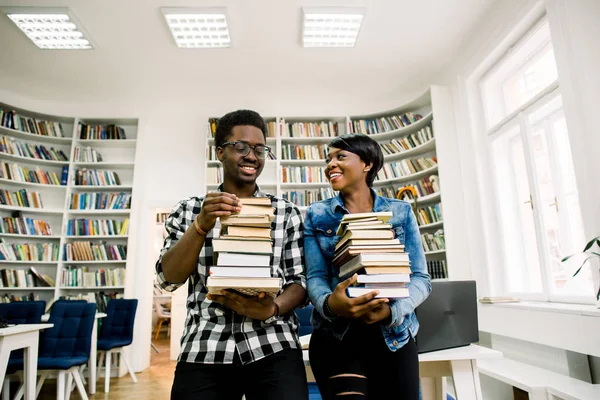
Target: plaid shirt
pixel 213 333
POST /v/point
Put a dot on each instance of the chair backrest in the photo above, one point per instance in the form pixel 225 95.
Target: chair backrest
pixel 120 316
pixel 23 312
pixel 160 309
pixel 304 318
pixel 71 335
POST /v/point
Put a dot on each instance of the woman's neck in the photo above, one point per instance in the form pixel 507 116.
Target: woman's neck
pixel 358 201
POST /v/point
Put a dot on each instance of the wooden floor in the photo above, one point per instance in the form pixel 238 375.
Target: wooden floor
pixel 153 383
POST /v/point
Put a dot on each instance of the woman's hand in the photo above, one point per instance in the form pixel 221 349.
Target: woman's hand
pixel 352 307
pixel 377 314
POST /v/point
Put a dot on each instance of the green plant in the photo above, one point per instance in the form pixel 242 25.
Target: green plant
pixel 591 254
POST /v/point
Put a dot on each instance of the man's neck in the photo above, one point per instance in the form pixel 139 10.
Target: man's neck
pixel 243 190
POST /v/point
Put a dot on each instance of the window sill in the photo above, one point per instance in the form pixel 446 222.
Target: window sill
pixel 588 310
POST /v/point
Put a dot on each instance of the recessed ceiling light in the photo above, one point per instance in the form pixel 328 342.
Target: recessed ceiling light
pixel 331 27
pixel 49 28
pixel 198 27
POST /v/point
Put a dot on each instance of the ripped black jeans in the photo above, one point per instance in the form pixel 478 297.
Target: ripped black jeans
pixel 361 366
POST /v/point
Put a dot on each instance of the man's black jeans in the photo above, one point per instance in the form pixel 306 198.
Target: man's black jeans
pixel 279 376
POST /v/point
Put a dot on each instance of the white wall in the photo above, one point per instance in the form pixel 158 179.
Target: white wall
pixel 170 158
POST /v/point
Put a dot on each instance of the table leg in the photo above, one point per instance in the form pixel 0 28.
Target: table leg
pixel 92 360
pixel 31 358
pixel 4 355
pixel 466 379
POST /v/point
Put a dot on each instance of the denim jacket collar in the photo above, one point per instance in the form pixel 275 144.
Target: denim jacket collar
pixel 379 203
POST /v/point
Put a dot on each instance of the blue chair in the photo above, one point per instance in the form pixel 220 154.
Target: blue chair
pixel 65 347
pixel 306 329
pixel 116 333
pixel 20 312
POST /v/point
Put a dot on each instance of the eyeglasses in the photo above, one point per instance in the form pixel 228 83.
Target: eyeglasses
pixel 243 149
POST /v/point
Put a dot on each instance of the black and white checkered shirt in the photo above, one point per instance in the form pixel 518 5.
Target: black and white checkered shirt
pixel 213 333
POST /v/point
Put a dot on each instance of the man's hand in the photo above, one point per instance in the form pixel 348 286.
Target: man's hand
pixel 258 307
pixel 217 204
pixel 376 314
pixel 352 307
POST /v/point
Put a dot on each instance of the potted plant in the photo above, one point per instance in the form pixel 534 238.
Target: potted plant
pixel 590 254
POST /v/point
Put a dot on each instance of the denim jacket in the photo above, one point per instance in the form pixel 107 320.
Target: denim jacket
pixel 321 222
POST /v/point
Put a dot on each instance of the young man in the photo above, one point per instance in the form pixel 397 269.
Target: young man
pixel 234 345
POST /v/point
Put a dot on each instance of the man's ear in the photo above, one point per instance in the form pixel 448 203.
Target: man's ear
pixel 220 154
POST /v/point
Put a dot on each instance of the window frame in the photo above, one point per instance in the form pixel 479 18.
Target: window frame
pixel 519 117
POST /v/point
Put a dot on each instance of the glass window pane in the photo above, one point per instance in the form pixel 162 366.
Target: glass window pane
pixel 527 69
pixel 519 242
pixel 559 198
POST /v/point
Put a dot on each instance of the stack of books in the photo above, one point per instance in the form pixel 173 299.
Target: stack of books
pixel 243 251
pixel 368 247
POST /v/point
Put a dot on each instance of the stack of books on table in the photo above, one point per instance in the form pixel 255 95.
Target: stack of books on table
pixel 243 251
pixel 368 247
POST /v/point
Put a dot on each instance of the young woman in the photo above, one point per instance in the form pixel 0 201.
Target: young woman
pixel 363 347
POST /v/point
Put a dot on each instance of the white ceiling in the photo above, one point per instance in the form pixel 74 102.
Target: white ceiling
pixel 402 45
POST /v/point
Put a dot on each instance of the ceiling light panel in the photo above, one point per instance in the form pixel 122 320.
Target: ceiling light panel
pixel 198 28
pixel 53 29
pixel 331 27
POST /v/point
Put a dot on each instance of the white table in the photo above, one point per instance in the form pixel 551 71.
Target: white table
pixel 93 352
pixel 27 337
pixel 460 363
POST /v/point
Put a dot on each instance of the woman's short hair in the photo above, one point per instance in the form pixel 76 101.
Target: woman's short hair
pixel 363 146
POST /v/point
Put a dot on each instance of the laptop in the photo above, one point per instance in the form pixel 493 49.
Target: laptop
pixel 448 317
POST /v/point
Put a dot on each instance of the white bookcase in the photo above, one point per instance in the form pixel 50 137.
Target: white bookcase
pixel 118 155
pixel 272 179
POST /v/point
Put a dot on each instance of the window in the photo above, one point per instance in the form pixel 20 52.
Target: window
pixel 537 202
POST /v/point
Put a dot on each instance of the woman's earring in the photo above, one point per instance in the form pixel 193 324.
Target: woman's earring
pixel 366 169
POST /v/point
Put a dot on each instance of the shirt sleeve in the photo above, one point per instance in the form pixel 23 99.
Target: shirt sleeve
pixel 175 228
pixel 293 250
pixel 419 286
pixel 317 268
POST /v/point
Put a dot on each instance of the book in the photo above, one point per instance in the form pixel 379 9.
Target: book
pixel 248 231
pixel 371 217
pixel 258 201
pixel 242 272
pixel 374 270
pixel 44 279
pixel 348 252
pixel 237 259
pixel 242 246
pixel 258 210
pixel 259 221
pixel 390 293
pixel 246 238
pixel 374 259
pixel 364 234
pixel 247 286
pixel 492 300
pixel 367 242
pixel 382 278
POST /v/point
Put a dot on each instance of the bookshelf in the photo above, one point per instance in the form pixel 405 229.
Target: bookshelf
pixel 91 203
pixel 299 144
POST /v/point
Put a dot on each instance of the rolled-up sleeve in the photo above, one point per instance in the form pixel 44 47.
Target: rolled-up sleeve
pixel 175 229
pixel 419 286
pixel 293 250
